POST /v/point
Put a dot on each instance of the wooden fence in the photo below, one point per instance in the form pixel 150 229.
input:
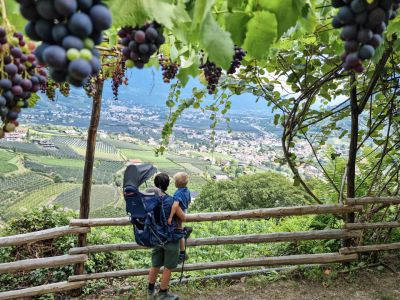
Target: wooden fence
pixel 80 254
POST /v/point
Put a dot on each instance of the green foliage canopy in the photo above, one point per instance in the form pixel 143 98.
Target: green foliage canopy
pixel 250 192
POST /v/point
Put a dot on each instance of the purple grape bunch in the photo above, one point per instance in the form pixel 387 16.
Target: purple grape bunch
pixel 363 25
pixel 20 77
pixel 69 31
pixel 140 43
pixel 118 77
pixel 212 73
pixel 237 60
pixel 169 68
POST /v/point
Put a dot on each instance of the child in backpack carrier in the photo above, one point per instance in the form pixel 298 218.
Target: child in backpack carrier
pixel 182 199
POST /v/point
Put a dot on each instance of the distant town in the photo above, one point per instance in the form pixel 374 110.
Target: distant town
pixel 253 141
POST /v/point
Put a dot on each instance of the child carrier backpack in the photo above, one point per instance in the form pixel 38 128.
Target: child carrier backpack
pixel 146 211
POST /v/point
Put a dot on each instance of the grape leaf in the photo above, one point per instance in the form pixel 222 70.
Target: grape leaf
pixel 184 73
pixel 393 28
pixel 13 14
pixel 173 52
pixel 127 12
pixel 309 21
pixel 236 4
pixel 259 36
pixel 200 13
pixel 216 42
pixel 287 12
pixel 165 13
pixel 236 23
pixel 276 119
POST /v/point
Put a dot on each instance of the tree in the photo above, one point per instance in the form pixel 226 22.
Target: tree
pixel 250 192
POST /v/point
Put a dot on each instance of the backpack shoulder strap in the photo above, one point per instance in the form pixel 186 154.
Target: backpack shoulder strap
pixel 163 217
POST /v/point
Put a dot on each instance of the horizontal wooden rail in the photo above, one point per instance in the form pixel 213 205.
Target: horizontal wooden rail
pixel 234 239
pixel 323 258
pixel 373 200
pixel 42 290
pixel 370 248
pixel 41 235
pixel 45 262
pixel 235 215
pixel 360 226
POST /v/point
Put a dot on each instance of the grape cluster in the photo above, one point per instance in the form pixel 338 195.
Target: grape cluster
pixel 237 60
pixel 20 77
pixel 65 89
pixel 169 68
pixel 50 88
pixel 69 30
pixel 140 43
pixel 118 78
pixel 212 74
pixel 362 24
pixel 89 87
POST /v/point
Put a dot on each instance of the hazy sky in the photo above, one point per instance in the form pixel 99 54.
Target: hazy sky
pixel 147 86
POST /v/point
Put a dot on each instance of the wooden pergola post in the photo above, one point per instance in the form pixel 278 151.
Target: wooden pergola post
pixel 88 170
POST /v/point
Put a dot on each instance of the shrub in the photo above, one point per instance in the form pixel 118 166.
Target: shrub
pixel 40 219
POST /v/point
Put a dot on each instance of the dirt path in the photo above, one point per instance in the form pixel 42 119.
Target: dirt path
pixel 368 285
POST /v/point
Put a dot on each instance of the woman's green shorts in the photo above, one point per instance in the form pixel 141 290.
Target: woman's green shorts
pixel 166 256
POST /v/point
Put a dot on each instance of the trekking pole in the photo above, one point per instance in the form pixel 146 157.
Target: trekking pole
pixel 183 264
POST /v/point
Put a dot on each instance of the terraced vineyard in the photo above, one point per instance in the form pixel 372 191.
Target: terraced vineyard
pixel 126 145
pixel 56 161
pixel 15 188
pixel 99 155
pixel 102 196
pixel 26 182
pixel 22 147
pixel 70 174
pixel 81 143
pixel 63 151
pixel 73 171
pixel 65 166
pixel 39 197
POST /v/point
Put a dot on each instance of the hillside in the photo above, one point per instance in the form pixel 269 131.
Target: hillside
pixel 46 167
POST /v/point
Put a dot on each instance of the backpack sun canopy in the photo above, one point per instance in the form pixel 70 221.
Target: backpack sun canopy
pixel 136 175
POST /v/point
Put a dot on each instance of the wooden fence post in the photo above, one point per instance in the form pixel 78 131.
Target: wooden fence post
pixel 351 163
pixel 88 170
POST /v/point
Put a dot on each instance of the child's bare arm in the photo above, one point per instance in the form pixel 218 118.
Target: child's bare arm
pixel 180 214
pixel 174 208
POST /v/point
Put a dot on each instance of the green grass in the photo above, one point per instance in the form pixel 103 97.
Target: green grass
pixel 150 157
pixel 6 162
pixel 54 161
pixel 6 155
pixel 127 145
pixel 7 167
